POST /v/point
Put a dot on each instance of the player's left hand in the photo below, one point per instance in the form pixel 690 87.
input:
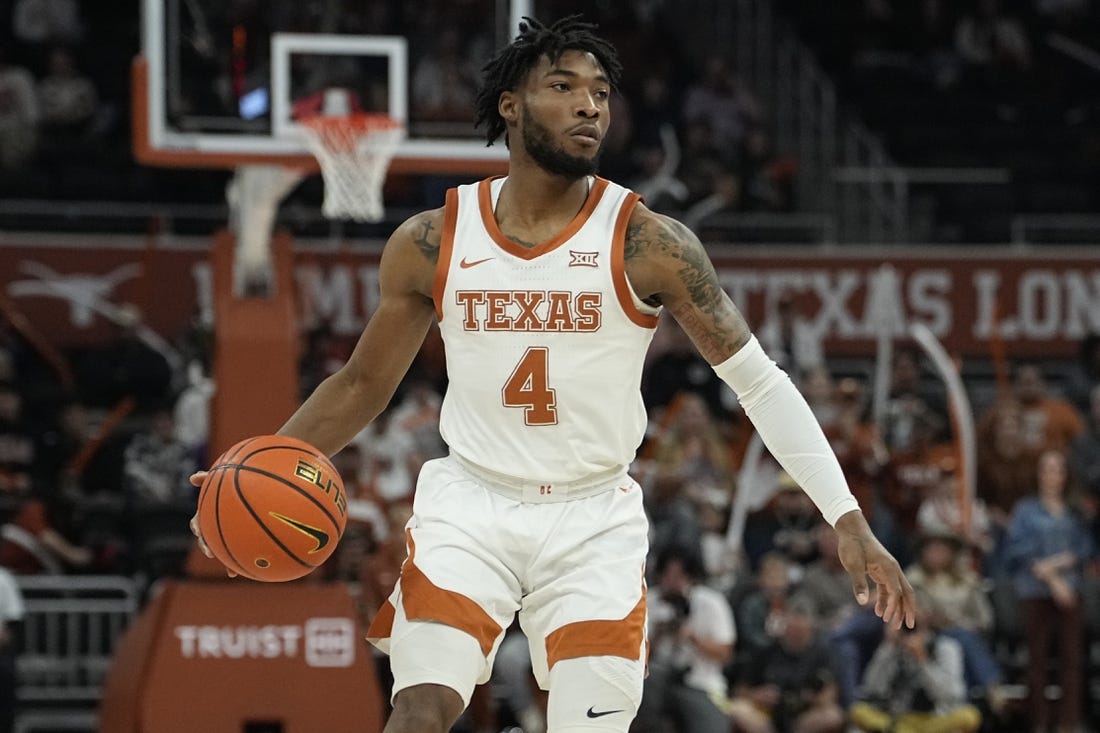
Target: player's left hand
pixel 864 556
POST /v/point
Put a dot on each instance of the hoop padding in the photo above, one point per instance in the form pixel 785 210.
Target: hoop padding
pixel 354 152
pixel 253 195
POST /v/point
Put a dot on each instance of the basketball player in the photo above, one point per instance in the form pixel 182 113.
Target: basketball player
pixel 547 285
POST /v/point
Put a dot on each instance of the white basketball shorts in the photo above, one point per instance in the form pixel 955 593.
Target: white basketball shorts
pixel 569 559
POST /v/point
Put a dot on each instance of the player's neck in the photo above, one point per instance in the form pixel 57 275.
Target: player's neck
pixel 531 195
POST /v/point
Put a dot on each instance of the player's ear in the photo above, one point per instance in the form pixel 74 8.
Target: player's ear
pixel 508 106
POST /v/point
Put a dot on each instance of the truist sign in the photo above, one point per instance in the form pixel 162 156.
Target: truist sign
pixel 1040 302
pixel 320 642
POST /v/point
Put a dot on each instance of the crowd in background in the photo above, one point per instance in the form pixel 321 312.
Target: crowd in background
pixel 753 625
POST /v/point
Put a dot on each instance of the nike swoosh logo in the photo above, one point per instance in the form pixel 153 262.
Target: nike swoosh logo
pixel 466 263
pixel 319 535
pixel 593 714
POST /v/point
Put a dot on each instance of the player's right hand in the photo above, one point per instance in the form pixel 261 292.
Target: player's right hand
pixel 196 480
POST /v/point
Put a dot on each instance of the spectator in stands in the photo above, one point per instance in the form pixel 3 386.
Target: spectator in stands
pixel 31 542
pixel 678 367
pixel 1048 546
pixel 819 387
pixel 707 172
pixel 825 583
pixel 913 683
pixel 877 36
pixel 910 401
pixel 125 366
pixel 417 414
pixel 19 445
pixel 1085 458
pixel 1081 380
pixel 1063 14
pixel 691 636
pixel 766 179
pixel 787 525
pixel 721 101
pixel 44 22
pixel 11 615
pixel 790 685
pixel 991 42
pixel 191 412
pixel 1006 469
pixel 157 464
pixel 1047 422
pixel 18 117
pixel 940 513
pixel 391 456
pixel 930 40
pixel 857 444
pixel 692 458
pixel 853 642
pixel 444 82
pixel 322 354
pixel 789 335
pixel 760 612
pixel 912 473
pixel 959 607
pixel 690 479
pixel 721 561
pixel 67 99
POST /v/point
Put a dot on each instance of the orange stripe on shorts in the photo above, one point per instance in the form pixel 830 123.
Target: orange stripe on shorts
pixel 381 626
pixel 599 638
pixel 425 601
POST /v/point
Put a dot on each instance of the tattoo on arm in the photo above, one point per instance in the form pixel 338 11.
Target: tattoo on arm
pixel 706 313
pixel 427 240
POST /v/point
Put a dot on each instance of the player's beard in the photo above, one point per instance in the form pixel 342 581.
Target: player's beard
pixel 539 144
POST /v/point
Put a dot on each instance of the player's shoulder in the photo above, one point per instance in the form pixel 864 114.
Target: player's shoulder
pixel 650 234
pixel 422 231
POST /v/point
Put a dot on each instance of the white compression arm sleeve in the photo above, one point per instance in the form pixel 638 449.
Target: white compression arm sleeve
pixel 788 428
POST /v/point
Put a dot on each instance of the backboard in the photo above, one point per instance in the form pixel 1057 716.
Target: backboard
pixel 221 83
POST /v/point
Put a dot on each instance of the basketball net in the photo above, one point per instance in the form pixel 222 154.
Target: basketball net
pixel 354 150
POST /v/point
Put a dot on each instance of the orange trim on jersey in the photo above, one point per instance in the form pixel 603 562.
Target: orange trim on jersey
pixel 446 248
pixel 485 201
pixel 425 601
pixel 381 626
pixel 618 266
pixel 608 638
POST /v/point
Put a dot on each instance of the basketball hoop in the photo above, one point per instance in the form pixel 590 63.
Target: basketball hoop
pixel 354 151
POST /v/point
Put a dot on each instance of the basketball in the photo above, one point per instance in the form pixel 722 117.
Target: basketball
pixel 272 508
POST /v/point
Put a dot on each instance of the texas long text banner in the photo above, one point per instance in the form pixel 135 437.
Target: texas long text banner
pixel 1042 302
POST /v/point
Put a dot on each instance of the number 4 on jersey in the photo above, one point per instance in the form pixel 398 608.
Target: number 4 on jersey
pixel 528 388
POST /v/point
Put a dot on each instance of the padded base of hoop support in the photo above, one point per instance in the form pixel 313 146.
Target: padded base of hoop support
pixel 255 349
pixel 243 656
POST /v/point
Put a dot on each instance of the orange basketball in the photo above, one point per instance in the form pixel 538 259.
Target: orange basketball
pixel 272 508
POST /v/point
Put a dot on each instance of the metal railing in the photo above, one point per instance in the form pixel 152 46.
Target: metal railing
pixel 809 123
pixel 1055 229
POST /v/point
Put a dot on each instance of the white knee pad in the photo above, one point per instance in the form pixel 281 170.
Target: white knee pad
pixel 594 694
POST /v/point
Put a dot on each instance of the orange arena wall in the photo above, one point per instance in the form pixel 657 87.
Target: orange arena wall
pixel 1043 302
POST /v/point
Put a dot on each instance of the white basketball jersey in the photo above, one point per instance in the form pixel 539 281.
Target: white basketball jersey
pixel 544 345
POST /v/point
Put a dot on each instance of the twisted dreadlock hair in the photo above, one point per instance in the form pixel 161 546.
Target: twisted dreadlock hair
pixel 510 66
